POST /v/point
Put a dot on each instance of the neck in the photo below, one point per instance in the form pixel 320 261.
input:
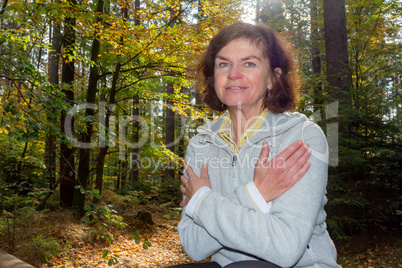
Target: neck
pixel 241 121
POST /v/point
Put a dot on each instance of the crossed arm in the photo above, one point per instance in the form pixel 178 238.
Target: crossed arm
pixel 271 178
pixel 232 222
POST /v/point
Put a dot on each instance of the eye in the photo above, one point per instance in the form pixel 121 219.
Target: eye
pixel 250 64
pixel 223 64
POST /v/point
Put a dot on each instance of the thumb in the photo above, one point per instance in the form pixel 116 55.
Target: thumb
pixel 262 159
pixel 204 171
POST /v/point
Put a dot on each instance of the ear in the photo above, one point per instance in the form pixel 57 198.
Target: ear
pixel 277 72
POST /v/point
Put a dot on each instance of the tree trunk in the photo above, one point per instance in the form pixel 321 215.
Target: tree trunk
pixel 339 77
pixel 67 165
pixel 169 130
pixel 53 71
pixel 86 137
pixel 170 114
pixel 315 53
pixel 104 116
pixel 135 153
pixel 104 146
pixel 336 49
pixel 3 7
pixel 257 11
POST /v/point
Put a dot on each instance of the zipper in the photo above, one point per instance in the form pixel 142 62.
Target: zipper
pixel 234 161
pixel 235 171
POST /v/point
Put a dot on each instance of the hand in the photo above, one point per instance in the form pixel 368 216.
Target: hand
pixel 193 183
pixel 275 177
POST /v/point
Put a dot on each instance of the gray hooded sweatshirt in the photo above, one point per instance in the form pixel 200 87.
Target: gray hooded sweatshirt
pixel 227 223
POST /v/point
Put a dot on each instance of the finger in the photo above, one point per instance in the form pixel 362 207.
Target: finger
pixel 302 154
pixel 184 202
pixel 300 173
pixel 188 170
pixel 204 171
pixel 183 179
pixel 183 189
pixel 262 159
pixel 300 166
pixel 285 154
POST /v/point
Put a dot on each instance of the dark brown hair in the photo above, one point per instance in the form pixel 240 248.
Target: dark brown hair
pixel 283 96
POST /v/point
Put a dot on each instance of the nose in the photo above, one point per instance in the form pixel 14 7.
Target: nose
pixel 234 72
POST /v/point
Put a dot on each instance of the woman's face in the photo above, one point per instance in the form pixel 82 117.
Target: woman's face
pixel 242 75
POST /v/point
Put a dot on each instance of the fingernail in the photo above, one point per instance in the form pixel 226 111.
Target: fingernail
pixel 204 166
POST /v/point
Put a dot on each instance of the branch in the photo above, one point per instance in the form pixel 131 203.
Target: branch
pixel 167 25
pixel 3 8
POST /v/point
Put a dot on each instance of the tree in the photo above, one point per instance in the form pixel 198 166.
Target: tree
pixel 67 163
pixel 53 73
pixel 271 12
pixel 170 114
pixel 86 135
pixel 135 153
pixel 336 52
pixel 364 185
pixel 136 57
pixel 316 54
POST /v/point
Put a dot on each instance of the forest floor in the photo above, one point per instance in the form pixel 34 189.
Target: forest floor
pixel 74 246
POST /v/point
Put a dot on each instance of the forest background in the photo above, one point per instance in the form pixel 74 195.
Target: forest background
pixel 100 97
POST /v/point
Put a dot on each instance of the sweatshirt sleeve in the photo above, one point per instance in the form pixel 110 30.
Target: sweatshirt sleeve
pixel 282 235
pixel 195 239
pixel 257 198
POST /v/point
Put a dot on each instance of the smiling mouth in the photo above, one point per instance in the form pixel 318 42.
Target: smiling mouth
pixel 235 88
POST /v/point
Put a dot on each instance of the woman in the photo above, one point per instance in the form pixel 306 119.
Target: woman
pixel 255 179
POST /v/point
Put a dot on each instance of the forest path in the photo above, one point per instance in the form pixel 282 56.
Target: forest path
pixel 76 248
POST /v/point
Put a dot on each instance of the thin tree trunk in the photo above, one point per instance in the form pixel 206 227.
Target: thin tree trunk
pixel 169 112
pixel 53 71
pixel 104 147
pixel 200 19
pixel 86 137
pixel 3 7
pixel 104 115
pixel 135 152
pixel 67 165
pixel 169 130
pixel 315 53
pixel 257 11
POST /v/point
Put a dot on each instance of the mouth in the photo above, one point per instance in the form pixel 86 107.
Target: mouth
pixel 236 88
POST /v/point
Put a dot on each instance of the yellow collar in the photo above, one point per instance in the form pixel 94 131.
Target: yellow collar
pixel 225 130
